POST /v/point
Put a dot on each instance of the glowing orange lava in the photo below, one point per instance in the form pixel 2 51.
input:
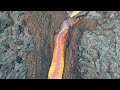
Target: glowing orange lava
pixel 57 65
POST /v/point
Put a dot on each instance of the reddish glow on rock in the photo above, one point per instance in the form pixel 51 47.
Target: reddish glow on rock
pixel 57 65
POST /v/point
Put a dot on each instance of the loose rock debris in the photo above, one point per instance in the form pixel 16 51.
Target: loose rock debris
pixel 92 50
pixel 14 39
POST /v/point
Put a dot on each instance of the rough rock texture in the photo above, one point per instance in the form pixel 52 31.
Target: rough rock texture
pixel 27 39
pixel 15 41
pixel 43 25
pixel 99 49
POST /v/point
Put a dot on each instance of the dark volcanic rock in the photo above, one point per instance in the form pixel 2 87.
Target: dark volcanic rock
pixel 12 30
pixel 27 39
pixel 4 23
pixel 42 25
pixel 99 49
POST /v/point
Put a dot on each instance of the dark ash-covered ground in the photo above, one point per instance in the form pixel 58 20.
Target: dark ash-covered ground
pixel 26 45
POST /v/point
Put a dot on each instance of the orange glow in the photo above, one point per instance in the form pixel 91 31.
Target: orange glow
pixel 74 22
pixel 57 65
pixel 58 50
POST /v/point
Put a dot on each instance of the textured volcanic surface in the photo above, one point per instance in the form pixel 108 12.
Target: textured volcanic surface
pixel 27 39
pixel 44 25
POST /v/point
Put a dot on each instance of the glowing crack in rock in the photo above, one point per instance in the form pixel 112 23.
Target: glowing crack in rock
pixel 57 65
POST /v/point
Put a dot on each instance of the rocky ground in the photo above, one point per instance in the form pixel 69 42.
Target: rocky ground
pixel 26 45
